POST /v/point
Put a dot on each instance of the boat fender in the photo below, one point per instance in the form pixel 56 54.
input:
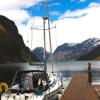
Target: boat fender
pixel 63 90
pixel 3 87
pixel 22 97
pixel 59 96
pixel 17 97
pixel 11 98
pixel 3 97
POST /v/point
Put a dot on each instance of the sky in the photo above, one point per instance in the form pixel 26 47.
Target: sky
pixel 74 20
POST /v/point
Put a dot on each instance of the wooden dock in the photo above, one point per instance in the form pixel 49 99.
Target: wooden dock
pixel 79 89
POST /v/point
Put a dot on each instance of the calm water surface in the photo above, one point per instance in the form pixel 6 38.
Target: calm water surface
pixel 67 69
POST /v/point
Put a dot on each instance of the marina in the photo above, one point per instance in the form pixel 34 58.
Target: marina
pixel 49 50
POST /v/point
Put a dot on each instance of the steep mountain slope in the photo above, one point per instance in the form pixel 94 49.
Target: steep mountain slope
pixel 70 51
pixel 12 47
pixel 92 55
pixel 38 54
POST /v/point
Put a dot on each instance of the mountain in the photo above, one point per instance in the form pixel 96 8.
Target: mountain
pixel 71 51
pixel 38 54
pixel 12 47
pixel 92 55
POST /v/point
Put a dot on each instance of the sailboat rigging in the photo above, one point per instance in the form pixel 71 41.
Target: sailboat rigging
pixel 46 17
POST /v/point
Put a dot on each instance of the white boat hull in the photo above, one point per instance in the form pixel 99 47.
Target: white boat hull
pixel 55 89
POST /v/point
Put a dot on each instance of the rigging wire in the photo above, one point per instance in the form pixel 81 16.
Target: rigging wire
pixel 28 38
pixel 43 29
pixel 40 41
pixel 32 31
pixel 56 44
pixel 56 36
pixel 45 18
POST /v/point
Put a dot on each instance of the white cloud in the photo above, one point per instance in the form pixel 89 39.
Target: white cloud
pixel 70 14
pixel 55 4
pixel 82 0
pixel 79 29
pixel 56 13
pixel 75 30
pixel 16 15
pixel 16 4
pixel 78 1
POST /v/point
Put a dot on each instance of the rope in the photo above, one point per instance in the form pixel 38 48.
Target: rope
pixel 14 79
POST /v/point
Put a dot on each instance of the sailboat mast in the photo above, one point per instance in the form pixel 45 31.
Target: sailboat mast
pixel 44 34
pixel 46 17
pixel 51 57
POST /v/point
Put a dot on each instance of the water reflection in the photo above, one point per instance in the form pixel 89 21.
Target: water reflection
pixel 68 69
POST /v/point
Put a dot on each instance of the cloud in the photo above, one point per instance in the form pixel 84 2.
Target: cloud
pixel 72 14
pixel 55 4
pixel 14 10
pixel 94 5
pixel 82 0
pixel 78 1
pixel 76 30
pixel 55 13
pixel 16 4
pixel 30 31
pixel 16 15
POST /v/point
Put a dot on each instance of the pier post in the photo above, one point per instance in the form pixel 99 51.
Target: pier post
pixel 89 73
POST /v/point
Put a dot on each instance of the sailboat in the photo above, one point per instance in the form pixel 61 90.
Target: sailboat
pixel 36 84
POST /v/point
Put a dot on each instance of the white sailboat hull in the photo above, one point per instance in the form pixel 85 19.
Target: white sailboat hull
pixel 47 95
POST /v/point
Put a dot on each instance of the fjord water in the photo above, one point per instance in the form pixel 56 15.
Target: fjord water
pixel 67 69
pixel 70 68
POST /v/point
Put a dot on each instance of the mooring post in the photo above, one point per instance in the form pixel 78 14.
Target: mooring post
pixel 89 73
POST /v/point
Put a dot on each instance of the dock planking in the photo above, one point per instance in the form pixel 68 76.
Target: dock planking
pixel 79 89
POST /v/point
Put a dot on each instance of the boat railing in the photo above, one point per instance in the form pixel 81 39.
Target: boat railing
pixel 37 63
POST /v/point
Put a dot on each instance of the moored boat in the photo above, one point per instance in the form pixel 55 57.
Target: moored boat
pixel 34 85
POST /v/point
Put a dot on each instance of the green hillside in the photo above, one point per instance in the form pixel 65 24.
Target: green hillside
pixel 12 47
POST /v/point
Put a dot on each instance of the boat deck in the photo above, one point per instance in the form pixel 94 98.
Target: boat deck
pixel 79 89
